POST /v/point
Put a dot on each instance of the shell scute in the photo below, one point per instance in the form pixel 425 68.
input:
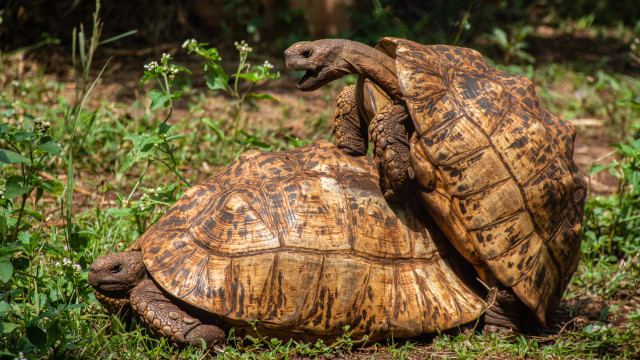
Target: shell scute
pixel 489 206
pixel 283 297
pixel 472 174
pixel 480 97
pixel 524 145
pixel 494 240
pixel 517 261
pixel 333 292
pixel 448 142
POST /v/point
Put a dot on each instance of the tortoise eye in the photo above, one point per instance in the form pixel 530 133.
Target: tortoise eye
pixel 306 53
pixel 116 268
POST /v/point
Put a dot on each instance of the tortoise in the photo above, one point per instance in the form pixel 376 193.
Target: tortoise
pixel 492 166
pixel 302 241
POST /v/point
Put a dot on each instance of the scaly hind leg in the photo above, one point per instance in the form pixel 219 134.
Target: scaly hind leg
pixel 349 129
pixel 165 318
pixel 389 133
pixel 505 312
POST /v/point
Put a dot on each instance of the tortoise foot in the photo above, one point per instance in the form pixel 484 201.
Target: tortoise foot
pixel 389 132
pixel 211 334
pixel 350 135
pixel 165 318
pixel 504 314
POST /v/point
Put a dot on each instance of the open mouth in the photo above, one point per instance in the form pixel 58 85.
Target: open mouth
pixel 307 75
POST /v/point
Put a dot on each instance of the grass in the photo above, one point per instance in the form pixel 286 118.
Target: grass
pixel 118 181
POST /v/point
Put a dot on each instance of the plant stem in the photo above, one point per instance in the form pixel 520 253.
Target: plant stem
pixel 24 202
pixel 175 172
pixel 135 187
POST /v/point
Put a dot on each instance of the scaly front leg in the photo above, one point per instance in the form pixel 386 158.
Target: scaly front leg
pixel 389 133
pixel 165 318
pixel 350 130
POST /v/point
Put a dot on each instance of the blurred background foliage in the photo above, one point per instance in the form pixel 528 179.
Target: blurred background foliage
pixel 515 30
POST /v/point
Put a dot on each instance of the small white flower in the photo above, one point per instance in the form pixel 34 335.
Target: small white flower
pixel 189 44
pixel 165 68
pixel 165 56
pixel 636 40
pixel 76 268
pixel 15 83
pixel 267 65
pixel 242 46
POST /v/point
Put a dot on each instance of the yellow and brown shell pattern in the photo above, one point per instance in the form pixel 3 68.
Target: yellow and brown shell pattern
pixel 509 194
pixel 304 242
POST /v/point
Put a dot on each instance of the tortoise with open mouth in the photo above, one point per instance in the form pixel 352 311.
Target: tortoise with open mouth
pixel 492 166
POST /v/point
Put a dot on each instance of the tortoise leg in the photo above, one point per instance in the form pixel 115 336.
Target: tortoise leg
pixel 165 318
pixel 350 130
pixel 389 133
pixel 504 313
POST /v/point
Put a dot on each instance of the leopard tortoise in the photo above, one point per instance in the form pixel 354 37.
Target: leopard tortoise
pixel 492 166
pixel 302 241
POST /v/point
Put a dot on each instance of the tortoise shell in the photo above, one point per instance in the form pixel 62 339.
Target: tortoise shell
pixel 508 193
pixel 304 242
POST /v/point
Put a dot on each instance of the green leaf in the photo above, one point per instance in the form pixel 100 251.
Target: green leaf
pixel 36 336
pixel 7 328
pixel 253 77
pixel 213 126
pixel 48 144
pixel 500 38
pixel 164 128
pixel 4 222
pixel 78 242
pixel 148 75
pixel 5 307
pixel 263 97
pixel 52 187
pixel 34 214
pixel 14 187
pixel 142 149
pixel 119 212
pixel 216 78
pixel 25 238
pixel 24 135
pixel 158 99
pixel 6 271
pixel 8 156
pixel 175 137
pixel 597 168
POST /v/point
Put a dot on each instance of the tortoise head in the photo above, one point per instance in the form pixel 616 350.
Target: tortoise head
pixel 329 59
pixel 321 59
pixel 115 275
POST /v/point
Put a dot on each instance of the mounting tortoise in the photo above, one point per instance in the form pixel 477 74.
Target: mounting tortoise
pixel 302 241
pixel 492 166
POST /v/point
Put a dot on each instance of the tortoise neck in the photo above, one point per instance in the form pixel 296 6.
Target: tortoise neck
pixel 369 62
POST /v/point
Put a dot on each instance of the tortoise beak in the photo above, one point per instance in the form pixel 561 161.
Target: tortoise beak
pixel 299 57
